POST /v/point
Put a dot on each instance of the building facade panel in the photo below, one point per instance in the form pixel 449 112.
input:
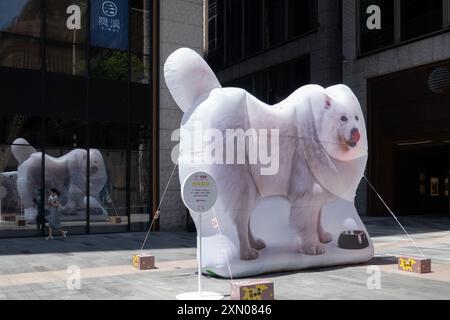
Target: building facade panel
pixel 423 45
pixel 181 26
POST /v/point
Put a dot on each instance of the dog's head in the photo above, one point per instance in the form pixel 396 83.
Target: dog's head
pixel 339 123
pixel 97 169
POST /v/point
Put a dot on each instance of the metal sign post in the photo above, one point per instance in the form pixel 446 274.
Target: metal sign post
pixel 199 194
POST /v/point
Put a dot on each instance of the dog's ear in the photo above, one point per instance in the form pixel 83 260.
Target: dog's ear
pixel 320 101
pixel 328 103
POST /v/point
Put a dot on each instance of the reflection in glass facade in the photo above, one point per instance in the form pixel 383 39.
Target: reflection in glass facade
pixel 21 17
pixel 74 117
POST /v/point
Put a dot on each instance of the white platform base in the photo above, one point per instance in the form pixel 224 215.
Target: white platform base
pixel 200 296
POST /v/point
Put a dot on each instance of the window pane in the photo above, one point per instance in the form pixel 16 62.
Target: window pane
pixel 108 142
pixel 21 16
pixel 284 79
pixel 253 37
pixel 66 59
pixel 140 68
pixel 65 97
pixel 70 181
pixel 10 201
pixel 291 76
pixel 140 189
pixel 212 34
pixel 301 16
pixel 19 52
pixel 108 135
pixel 15 203
pixel 275 21
pixel 140 26
pixel 216 33
pixel 13 83
pixel 420 17
pixel 14 126
pixel 261 87
pixel 140 104
pixel 108 190
pixel 108 102
pixel 234 30
pixel 375 39
pixel 60 132
pixel 59 21
pixel 276 83
pixel 140 136
pixel 109 64
pixel 245 83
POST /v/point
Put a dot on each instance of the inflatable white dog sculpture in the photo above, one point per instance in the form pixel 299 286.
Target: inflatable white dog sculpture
pixel 67 174
pixel 296 212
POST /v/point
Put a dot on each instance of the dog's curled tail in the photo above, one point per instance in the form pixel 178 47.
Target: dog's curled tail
pixel 188 77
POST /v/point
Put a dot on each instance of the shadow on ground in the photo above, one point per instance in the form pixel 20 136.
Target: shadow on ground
pixel 97 242
pixel 376 226
pixel 387 226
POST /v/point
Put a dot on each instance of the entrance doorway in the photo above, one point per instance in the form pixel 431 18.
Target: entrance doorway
pixel 409 141
pixel 421 179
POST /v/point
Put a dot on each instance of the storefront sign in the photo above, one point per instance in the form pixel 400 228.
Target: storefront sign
pixel 109 24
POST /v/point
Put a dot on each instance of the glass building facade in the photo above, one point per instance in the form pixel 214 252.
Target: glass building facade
pixel 75 114
pixel 239 29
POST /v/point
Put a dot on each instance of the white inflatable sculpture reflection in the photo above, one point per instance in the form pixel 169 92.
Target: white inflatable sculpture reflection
pixel 67 174
pixel 8 191
pixel 287 213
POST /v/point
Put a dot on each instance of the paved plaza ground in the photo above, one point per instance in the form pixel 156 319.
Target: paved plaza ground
pixel 33 268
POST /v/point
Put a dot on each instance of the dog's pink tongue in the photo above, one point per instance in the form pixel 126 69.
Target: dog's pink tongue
pixel 356 136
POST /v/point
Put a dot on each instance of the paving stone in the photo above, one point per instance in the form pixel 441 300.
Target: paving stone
pixel 115 251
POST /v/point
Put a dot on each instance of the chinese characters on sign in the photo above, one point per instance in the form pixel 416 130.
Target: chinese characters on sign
pixel 407 265
pixel 106 24
pixel 254 293
pixel 109 24
pixel 199 192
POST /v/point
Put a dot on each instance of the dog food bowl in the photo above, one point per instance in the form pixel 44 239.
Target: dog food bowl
pixel 353 240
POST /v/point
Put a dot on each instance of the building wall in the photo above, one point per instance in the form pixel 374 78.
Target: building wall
pixel 181 25
pixel 324 48
pixel 356 71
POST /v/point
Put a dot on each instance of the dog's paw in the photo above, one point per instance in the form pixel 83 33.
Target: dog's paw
pixel 258 244
pixel 325 237
pixel 312 248
pixel 249 254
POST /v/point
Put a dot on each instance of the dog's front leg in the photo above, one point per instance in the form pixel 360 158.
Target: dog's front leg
pixel 242 220
pixel 304 221
pixel 324 237
pixel 255 243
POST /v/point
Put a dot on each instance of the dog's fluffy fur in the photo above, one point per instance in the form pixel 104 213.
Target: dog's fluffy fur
pixel 322 137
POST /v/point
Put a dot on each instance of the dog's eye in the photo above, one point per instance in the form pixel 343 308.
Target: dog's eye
pixel 357 118
pixel 344 119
